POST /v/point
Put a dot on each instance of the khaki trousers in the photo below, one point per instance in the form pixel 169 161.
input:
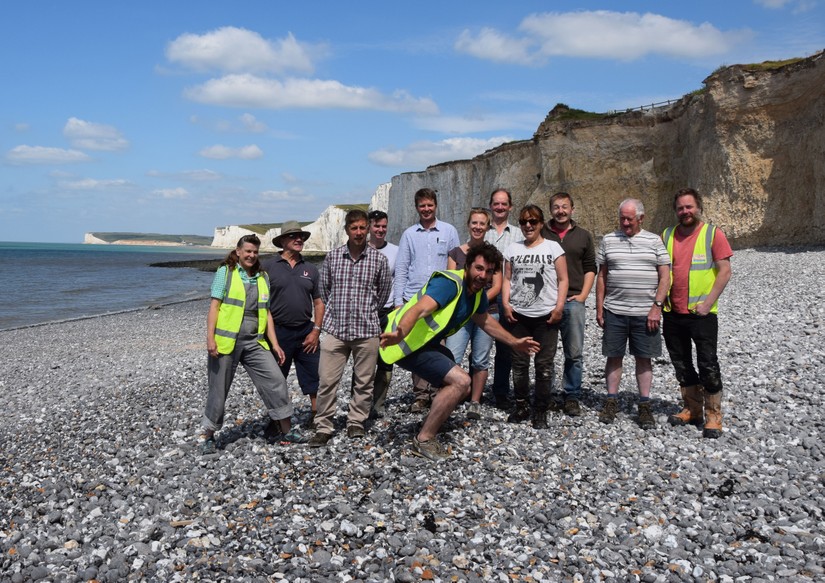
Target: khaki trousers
pixel 334 356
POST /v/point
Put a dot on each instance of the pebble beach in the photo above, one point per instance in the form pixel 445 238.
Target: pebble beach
pixel 101 477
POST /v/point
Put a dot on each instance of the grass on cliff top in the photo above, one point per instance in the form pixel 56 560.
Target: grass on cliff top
pixel 262 228
pixel 186 239
pixel 348 207
pixel 561 112
pixel 770 65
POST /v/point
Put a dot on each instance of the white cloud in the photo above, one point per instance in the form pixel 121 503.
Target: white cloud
pixel 44 155
pixel 203 175
pixel 93 184
pixel 491 45
pixel 251 123
pixel 427 153
pixel 232 49
pixel 178 192
pixel 219 152
pixel 291 195
pixel 252 91
pixel 600 34
pixel 93 136
pixel 22 127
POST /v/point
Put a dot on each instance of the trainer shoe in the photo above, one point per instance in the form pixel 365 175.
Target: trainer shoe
pixel 572 408
pixel 646 419
pixel 320 439
pixel 609 411
pixel 420 406
pixel 430 449
pixel 355 432
pixel 474 410
pixel 294 435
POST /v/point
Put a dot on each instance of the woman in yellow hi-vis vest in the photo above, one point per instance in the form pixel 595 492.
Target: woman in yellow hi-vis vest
pixel 239 330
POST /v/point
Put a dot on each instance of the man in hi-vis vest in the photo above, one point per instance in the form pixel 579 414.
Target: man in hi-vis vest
pixel 415 331
pixel 700 256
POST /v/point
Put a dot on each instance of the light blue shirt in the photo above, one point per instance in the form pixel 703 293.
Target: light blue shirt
pixel 421 252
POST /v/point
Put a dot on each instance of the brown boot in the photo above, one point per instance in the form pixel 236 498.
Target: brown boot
pixel 713 416
pixel 693 402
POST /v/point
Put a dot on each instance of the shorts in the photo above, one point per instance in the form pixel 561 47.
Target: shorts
pixel 618 330
pixel 432 362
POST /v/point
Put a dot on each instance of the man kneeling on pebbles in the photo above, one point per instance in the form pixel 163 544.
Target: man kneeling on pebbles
pixel 415 331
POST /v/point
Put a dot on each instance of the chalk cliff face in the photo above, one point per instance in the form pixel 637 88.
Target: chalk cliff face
pixel 327 232
pixel 752 143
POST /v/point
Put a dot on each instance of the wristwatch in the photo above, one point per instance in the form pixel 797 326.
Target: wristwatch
pixel 657 303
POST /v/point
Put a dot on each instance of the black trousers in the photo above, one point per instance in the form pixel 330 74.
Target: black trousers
pixel 681 332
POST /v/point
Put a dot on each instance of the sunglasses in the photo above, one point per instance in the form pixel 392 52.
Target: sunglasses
pixel 531 222
pixel 295 236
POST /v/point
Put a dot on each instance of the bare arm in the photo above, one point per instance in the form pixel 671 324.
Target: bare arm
pixel 505 293
pixel 561 297
pixel 496 287
pixel 722 279
pixel 211 324
pixel 654 315
pixel 601 289
pixel 492 327
pixel 310 343
pixel 422 308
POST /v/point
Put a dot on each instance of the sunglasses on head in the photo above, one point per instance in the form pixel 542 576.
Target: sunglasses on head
pixel 531 222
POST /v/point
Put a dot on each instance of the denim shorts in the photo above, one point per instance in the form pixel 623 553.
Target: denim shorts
pixel 618 330
pixel 432 362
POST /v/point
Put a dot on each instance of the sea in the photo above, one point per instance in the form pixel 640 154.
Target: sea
pixel 52 282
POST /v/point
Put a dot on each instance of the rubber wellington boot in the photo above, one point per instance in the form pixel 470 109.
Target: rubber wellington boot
pixel 692 411
pixel 713 416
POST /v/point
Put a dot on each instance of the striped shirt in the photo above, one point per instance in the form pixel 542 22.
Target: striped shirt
pixel 632 271
pixel 510 234
pixel 353 291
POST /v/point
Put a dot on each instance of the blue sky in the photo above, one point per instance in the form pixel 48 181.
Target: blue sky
pixel 177 117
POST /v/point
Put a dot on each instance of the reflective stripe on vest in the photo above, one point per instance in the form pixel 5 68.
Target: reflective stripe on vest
pixel 702 268
pixel 427 328
pixel 230 314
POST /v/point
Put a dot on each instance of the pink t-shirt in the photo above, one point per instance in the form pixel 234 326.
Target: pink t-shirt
pixel 682 255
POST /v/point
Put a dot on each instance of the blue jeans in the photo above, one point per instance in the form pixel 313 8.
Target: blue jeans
pixel 571 330
pixel 482 344
pixel 503 360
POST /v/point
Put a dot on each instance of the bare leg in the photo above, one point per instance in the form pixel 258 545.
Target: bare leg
pixel 644 376
pixel 456 388
pixel 613 374
pixel 478 382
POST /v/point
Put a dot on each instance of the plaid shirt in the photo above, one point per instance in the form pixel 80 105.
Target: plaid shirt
pixel 353 291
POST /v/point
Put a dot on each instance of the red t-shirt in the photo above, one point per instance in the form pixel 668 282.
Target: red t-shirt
pixel 682 255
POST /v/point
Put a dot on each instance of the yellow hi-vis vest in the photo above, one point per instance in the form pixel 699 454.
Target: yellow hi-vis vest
pixel 703 270
pixel 230 314
pixel 425 329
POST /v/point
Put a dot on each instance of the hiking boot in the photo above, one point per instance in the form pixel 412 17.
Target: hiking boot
pixel 572 407
pixel 713 416
pixel 420 406
pixel 504 403
pixel 692 407
pixel 520 413
pixel 430 449
pixel 474 410
pixel 320 439
pixel 609 411
pixel 208 445
pixel 272 431
pixel 539 419
pixel 646 419
pixel 355 432
pixel 294 435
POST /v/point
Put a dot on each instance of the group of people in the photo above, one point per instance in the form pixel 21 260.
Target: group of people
pixel 420 304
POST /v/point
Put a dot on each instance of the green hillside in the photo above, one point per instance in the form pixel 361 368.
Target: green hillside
pixel 179 239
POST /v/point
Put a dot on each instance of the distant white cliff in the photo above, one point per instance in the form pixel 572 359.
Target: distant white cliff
pixel 327 232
